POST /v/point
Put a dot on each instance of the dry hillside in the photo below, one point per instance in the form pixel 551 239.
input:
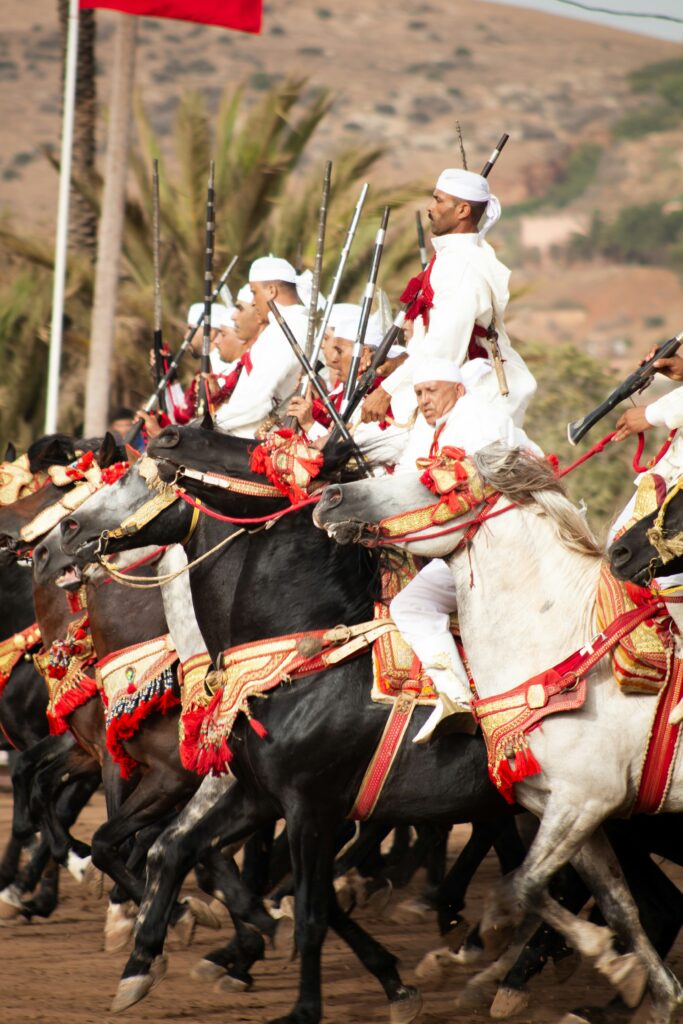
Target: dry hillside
pixel 403 74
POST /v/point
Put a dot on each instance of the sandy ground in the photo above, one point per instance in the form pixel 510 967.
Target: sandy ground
pixel 56 970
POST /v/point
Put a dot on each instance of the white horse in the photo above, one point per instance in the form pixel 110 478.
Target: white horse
pixel 526 590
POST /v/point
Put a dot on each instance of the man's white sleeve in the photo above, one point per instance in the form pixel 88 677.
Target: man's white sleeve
pixel 667 411
pixel 457 306
pixel 274 374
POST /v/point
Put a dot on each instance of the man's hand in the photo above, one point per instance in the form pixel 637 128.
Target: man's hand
pixel 302 410
pixel 671 367
pixel 152 425
pixel 375 406
pixel 633 421
pixel 211 383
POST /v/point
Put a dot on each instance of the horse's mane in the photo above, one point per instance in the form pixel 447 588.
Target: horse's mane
pixel 58 450
pixel 526 479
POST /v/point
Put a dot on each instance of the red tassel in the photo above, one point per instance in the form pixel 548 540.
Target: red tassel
pixel 258 728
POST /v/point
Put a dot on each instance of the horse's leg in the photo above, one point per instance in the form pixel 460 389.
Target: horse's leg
pixel 154 795
pixel 405 1001
pixel 24 767
pixel 220 809
pixel 256 863
pixel 600 868
pixel 311 842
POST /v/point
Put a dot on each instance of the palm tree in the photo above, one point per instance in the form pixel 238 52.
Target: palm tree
pixel 266 199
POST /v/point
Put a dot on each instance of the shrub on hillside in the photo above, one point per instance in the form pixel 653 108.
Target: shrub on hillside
pixel 663 82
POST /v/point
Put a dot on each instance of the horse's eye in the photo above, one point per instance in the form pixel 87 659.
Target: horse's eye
pixel 168 438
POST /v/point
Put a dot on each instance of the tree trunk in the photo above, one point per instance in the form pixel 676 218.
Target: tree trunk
pixel 83 219
pixel 110 234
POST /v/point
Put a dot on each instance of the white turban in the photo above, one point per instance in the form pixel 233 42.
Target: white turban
pixel 345 320
pixel 245 295
pixel 474 188
pixel 272 268
pixel 428 368
pixel 221 316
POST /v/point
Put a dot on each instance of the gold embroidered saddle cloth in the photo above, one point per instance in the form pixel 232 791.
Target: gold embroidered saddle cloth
pixel 136 682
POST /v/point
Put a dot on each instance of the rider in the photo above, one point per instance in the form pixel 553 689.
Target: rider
pixel 384 441
pixel 460 297
pixel 273 370
pixel 452 413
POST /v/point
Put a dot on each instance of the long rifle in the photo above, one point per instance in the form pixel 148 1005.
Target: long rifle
pixel 365 309
pixel 158 344
pixel 390 338
pixel 319 387
pixel 636 381
pixel 341 266
pixel 421 240
pixel 203 402
pixel 175 362
pixel 318 265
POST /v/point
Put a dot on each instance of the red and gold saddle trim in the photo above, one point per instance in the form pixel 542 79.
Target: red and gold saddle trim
pixel 135 682
pixel 63 667
pixel 14 648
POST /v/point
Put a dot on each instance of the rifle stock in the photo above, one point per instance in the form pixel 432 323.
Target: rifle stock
pixel 637 381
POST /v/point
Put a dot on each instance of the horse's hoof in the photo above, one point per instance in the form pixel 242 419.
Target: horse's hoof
pixel 131 991
pixel 574 1018
pixel 230 983
pixel 202 912
pixel 185 927
pixel 566 967
pixel 284 938
pixel 207 970
pixel 10 903
pixel 496 940
pixel 508 1001
pixel 378 901
pixel 410 912
pixel 406 1006
pixel 93 880
pixel 471 997
pixel 628 974
pixel 118 927
pixel 433 967
pixel 220 911
pixel 78 866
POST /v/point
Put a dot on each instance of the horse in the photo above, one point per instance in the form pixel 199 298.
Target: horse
pixel 554 570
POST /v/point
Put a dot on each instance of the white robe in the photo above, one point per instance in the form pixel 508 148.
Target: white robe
pixel 470 284
pixel 273 378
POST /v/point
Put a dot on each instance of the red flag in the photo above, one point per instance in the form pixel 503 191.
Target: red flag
pixel 241 14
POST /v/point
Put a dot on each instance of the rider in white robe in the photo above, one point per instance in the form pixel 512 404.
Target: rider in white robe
pixel 470 294
pixel 274 371
pixel 455 416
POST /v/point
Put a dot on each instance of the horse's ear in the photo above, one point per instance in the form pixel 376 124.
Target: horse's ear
pixel 106 456
pixel 132 454
pixel 10 452
pixel 207 422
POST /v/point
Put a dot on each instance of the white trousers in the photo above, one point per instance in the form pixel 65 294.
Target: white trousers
pixel 421 612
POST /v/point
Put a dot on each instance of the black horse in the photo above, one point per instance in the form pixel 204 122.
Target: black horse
pixel 634 557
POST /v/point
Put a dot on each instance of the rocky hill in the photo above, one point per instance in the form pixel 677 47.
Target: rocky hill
pixel 403 74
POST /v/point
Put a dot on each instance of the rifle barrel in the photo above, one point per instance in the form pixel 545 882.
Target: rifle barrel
pixel 202 395
pixel 421 240
pixel 486 169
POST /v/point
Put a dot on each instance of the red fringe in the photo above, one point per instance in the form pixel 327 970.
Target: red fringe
pixel 79 694
pixel 525 766
pixel 125 728
pixel 258 728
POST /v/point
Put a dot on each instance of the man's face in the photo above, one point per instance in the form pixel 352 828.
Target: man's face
pixel 262 291
pixel 228 344
pixel 446 213
pixel 338 353
pixel 435 398
pixel 120 427
pixel 247 320
pixel 198 340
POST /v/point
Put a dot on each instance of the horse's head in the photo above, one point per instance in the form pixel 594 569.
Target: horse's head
pixel 138 510
pixel 653 546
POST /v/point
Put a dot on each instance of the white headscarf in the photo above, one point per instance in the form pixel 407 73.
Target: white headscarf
pixel 221 316
pixel 473 187
pixel 428 368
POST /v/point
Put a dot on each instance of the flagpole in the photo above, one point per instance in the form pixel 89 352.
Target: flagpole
pixel 58 286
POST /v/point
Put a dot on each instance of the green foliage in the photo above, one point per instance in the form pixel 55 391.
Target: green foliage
pixel 267 198
pixel 645 234
pixel 578 174
pixel 663 84
pixel 570 384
